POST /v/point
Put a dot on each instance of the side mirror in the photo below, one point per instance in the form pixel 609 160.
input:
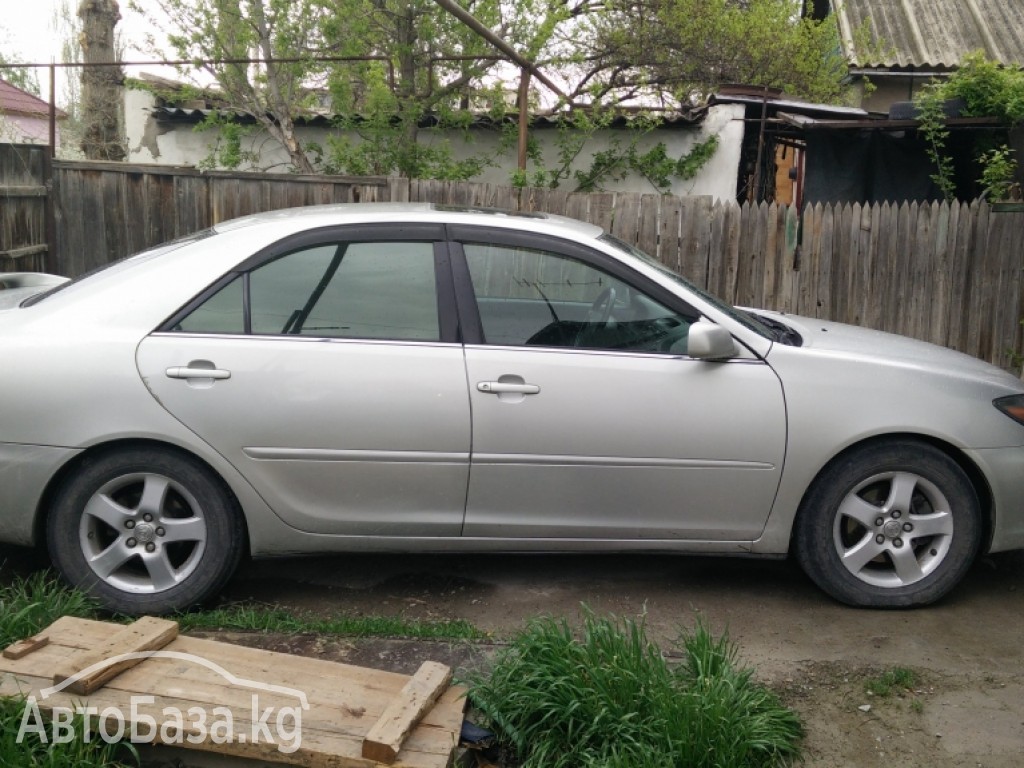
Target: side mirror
pixel 708 341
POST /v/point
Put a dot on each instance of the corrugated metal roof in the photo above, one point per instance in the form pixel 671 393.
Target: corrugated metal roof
pixel 624 118
pixel 932 33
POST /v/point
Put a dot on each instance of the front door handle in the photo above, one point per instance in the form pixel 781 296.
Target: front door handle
pixel 505 387
pixel 191 372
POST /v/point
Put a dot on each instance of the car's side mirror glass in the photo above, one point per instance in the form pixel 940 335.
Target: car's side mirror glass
pixel 708 341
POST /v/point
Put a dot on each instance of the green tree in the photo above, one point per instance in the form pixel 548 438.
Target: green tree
pixel 20 77
pixel 416 61
pixel 432 65
pixel 679 51
pixel 276 92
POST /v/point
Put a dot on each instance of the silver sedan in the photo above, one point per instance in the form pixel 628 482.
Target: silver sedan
pixel 420 378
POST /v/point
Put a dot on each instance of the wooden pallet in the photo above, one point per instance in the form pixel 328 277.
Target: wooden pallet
pixel 356 716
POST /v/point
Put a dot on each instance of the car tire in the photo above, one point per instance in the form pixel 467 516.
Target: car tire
pixel 889 525
pixel 145 531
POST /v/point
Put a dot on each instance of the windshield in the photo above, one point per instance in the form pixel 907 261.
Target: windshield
pixel 749 321
pixel 137 258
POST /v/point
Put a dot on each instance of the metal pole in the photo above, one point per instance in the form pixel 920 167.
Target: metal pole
pixel 50 261
pixel 524 117
pixel 470 21
pixel 755 193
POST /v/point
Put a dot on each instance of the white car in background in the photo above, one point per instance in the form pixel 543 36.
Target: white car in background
pixel 421 378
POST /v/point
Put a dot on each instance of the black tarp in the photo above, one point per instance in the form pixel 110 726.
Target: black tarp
pixel 866 167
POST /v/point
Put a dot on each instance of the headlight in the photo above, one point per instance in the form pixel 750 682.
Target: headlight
pixel 1012 406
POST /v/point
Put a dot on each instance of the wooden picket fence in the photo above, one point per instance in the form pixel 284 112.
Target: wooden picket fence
pixel 23 246
pixel 946 273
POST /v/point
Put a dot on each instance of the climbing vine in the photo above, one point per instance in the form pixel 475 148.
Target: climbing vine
pixel 622 156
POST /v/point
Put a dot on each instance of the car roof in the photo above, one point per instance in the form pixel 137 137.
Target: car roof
pixel 350 213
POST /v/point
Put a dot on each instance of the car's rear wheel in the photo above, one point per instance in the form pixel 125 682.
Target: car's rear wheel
pixel 145 531
pixel 889 525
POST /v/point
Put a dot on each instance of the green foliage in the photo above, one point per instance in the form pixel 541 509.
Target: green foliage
pixel 610 699
pixel 20 77
pixel 410 59
pixel 227 151
pixel 32 752
pixel 689 47
pixel 248 617
pixel 1000 171
pixel 987 90
pixel 27 606
pixel 931 114
pixel 895 680
pixel 30 604
pixel 622 156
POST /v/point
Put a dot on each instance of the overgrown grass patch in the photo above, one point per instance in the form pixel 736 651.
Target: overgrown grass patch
pixel 895 680
pixel 608 698
pixel 250 617
pixel 30 604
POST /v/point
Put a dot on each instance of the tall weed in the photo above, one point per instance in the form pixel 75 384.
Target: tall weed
pixel 608 698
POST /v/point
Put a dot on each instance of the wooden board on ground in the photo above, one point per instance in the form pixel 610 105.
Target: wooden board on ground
pixel 87 671
pixel 385 739
pixel 236 701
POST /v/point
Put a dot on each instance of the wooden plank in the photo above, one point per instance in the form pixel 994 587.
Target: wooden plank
pixel 20 253
pixel 791 265
pixel 147 634
pixel 772 264
pixel 823 307
pixel 874 283
pixel 809 258
pixel 343 700
pixel 626 217
pixel 716 245
pixel 733 232
pixel 385 738
pixel 24 647
pixel 14 190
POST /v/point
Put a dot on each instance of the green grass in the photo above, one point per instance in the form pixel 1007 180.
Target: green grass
pixel 250 617
pixel 29 604
pixel 895 680
pixel 32 752
pixel 609 699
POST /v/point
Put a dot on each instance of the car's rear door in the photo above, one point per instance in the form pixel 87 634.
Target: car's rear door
pixel 589 419
pixel 328 371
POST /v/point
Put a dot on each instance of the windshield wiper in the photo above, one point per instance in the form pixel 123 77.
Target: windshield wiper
pixel 781 332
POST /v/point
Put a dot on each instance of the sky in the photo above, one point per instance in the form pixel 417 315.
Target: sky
pixel 27 33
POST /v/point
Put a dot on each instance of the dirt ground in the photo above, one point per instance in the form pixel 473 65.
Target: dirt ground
pixel 967 709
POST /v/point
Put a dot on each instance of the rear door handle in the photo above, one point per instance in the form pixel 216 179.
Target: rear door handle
pixel 502 387
pixel 187 372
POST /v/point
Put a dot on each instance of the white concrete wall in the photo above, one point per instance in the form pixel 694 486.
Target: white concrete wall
pixel 25 129
pixel 152 142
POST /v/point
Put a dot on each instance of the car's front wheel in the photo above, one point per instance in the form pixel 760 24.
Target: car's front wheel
pixel 889 525
pixel 145 531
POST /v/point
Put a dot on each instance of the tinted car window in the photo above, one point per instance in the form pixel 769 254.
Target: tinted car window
pixel 530 297
pixel 375 290
pixel 221 313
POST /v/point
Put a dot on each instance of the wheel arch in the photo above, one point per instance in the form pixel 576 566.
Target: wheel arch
pixel 102 449
pixel 973 472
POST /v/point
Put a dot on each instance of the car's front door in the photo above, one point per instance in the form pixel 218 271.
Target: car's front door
pixel 330 374
pixel 589 419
